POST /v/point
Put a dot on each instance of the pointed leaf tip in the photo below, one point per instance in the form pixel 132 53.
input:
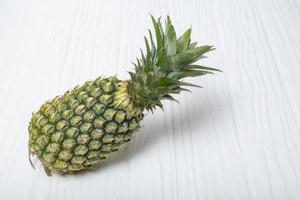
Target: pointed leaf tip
pixel 184 41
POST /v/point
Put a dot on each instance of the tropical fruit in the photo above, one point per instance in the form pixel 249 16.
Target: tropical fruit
pixel 75 131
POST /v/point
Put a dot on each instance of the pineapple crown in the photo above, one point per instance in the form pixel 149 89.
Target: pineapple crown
pixel 159 72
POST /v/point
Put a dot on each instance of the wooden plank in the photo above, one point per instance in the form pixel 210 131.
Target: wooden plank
pixel 238 138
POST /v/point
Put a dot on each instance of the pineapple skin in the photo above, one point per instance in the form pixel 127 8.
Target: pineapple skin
pixel 77 130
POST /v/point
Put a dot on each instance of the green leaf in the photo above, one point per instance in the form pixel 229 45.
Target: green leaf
pixel 165 61
pixel 191 55
pixel 193 45
pixel 200 67
pixel 171 41
pixel 143 56
pixel 184 89
pixel 165 91
pixel 147 46
pixel 183 41
pixel 190 73
pixel 162 60
pixel 189 84
pixel 149 79
pixel 153 48
pixel 182 58
pixel 132 75
pixel 164 82
pixel 151 39
pixel 199 51
pixel 169 97
pixel 157 32
pixel 168 22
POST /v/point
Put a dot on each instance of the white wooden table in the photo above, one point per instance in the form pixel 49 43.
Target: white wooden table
pixel 238 138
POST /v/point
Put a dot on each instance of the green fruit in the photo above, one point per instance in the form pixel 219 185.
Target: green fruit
pixel 74 131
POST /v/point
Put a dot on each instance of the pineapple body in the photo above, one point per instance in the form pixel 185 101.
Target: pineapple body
pixel 74 131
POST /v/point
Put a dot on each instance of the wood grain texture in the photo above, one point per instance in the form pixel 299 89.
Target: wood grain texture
pixel 238 138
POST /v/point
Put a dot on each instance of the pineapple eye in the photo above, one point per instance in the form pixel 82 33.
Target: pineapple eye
pixel 34 133
pixel 98 108
pixel 57 136
pixel 109 114
pixel 78 160
pixel 99 80
pixel 62 125
pixel 106 148
pixel 95 144
pixel 88 86
pixel 65 155
pixel 48 109
pixel 86 127
pixel 82 95
pixel 108 87
pixel 133 124
pixel 69 143
pixel 89 116
pixel 108 138
pixel 96 92
pixel 97 133
pixel 80 150
pixel 68 114
pixel 53 148
pixel 120 116
pixel 49 158
pixel 80 109
pixel 62 106
pixel 73 103
pixel 72 132
pixel 48 129
pixel 99 122
pixel 90 102
pixel 76 121
pixel 93 154
pixel 60 164
pixel 106 99
pixel 111 127
pixel 119 138
pixel 41 121
pixel 123 128
pixel 37 149
pixel 83 139
pixel 76 90
pixel 54 117
pixel 42 141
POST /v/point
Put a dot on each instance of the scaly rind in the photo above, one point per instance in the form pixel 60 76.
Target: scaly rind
pixel 77 130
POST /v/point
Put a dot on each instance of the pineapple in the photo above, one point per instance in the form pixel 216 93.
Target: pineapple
pixel 77 130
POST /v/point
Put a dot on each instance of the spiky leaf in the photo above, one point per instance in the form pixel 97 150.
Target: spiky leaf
pixel 160 70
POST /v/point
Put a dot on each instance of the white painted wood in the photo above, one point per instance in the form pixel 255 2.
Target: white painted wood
pixel 238 138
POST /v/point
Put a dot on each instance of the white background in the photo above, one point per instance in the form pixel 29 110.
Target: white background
pixel 238 138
